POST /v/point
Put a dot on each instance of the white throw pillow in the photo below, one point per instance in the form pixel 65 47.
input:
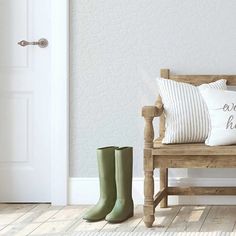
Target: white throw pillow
pixel 186 113
pixel 222 110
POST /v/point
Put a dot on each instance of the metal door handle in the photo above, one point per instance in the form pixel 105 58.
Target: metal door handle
pixel 42 43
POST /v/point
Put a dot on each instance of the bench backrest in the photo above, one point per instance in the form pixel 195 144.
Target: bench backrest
pixel 194 80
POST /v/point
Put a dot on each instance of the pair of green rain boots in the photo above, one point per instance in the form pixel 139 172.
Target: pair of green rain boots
pixel 115 175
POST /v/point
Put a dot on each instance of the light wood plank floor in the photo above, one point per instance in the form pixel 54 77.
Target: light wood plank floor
pixel 43 219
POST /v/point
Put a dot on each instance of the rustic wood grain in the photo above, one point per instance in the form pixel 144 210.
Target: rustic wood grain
pixel 195 161
pixel 192 149
pixel 171 219
pixel 201 191
pixel 189 219
pixel 158 155
pixel 164 185
pixel 160 196
pixel 203 79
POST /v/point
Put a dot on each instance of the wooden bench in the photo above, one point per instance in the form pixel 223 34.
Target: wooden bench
pixel 158 155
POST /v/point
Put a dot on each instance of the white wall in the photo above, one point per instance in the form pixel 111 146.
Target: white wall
pixel 117 50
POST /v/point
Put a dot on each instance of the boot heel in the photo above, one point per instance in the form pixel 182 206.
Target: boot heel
pixel 131 214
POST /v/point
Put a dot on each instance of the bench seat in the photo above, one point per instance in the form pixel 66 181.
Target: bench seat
pixel 191 149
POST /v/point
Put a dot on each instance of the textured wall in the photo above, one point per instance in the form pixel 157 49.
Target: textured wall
pixel 117 49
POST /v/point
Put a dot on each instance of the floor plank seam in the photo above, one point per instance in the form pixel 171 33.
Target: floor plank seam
pixel 49 220
pixel 141 220
pixel 72 225
pixel 77 221
pixel 204 219
pixel 102 227
pixel 234 226
pixel 200 230
pixel 33 206
pixel 168 226
pixel 44 221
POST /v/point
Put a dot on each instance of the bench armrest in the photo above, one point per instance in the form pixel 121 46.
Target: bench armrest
pixel 149 112
pixel 152 111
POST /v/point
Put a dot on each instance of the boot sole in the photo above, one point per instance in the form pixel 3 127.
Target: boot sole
pixel 119 221
pixel 88 220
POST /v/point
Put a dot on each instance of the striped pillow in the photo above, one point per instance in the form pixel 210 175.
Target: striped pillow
pixel 187 119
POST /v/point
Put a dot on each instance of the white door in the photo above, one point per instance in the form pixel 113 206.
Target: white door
pixel 24 102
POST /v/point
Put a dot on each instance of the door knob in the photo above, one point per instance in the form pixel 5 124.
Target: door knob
pixel 42 43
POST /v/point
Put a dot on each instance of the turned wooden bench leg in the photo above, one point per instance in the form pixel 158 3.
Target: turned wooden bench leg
pixel 149 209
pixel 164 185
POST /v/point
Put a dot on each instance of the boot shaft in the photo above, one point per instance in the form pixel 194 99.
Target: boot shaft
pixel 106 170
pixel 124 172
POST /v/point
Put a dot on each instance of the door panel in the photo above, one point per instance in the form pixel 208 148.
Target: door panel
pixel 13 24
pixel 25 95
pixel 16 109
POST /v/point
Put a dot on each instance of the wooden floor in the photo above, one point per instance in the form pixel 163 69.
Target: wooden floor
pixel 43 219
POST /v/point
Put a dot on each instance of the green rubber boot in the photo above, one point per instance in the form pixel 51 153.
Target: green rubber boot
pixel 106 169
pixel 124 206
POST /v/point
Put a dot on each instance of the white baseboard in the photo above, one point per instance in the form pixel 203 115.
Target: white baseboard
pixel 86 191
